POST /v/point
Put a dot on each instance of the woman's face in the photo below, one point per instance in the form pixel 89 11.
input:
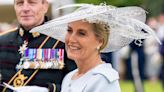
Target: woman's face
pixel 81 42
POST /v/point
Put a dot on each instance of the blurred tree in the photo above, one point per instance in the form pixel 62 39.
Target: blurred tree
pixel 113 2
pixel 124 2
pixel 89 1
pixel 154 7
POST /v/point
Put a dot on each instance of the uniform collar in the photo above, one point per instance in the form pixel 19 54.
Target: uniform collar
pixel 25 33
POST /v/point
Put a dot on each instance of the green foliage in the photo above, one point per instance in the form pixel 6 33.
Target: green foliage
pixel 149 86
pixel 124 2
pixel 90 1
pixel 154 7
pixel 112 2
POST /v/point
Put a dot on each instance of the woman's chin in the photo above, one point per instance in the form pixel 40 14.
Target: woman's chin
pixel 73 57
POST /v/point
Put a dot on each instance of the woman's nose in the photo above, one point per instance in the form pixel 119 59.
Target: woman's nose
pixel 72 38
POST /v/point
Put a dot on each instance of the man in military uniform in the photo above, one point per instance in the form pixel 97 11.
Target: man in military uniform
pixel 30 13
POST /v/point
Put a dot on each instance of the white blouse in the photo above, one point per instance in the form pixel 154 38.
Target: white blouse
pixel 102 78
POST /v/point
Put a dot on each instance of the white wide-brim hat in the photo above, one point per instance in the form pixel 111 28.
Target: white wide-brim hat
pixel 125 24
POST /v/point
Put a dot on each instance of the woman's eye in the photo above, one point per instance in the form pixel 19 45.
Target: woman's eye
pixel 82 33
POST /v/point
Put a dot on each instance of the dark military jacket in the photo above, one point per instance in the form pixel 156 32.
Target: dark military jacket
pixel 9 57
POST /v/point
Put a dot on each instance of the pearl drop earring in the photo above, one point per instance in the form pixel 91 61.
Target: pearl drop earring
pixel 98 48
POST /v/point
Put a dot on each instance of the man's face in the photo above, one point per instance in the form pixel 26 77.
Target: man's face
pixel 30 13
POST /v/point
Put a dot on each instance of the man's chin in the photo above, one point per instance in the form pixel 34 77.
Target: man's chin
pixel 27 25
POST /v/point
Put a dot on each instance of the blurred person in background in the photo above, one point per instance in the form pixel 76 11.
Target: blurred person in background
pixel 24 56
pixel 5 26
pixel 153 59
pixel 161 47
pixel 133 48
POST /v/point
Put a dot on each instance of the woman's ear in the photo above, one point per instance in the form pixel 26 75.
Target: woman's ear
pixel 100 44
pixel 101 41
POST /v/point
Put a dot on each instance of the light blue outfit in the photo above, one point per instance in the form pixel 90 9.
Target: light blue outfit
pixel 102 78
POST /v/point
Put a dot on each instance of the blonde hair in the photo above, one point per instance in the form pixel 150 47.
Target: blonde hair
pixel 101 31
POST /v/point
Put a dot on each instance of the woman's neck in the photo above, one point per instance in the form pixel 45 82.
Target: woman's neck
pixel 85 65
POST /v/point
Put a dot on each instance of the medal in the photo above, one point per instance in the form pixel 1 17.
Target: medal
pixel 26 53
pixel 31 54
pixel 49 54
pixel 39 54
pixel 37 65
pixel 26 65
pixel 41 58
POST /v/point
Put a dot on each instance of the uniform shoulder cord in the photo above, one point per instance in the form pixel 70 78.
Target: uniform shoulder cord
pixel 19 72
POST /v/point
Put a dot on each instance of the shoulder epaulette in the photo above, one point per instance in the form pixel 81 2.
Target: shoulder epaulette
pixel 8 31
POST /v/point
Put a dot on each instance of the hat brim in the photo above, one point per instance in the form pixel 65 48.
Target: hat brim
pixel 125 24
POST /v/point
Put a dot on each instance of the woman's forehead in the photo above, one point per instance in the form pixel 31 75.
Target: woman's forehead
pixel 80 22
